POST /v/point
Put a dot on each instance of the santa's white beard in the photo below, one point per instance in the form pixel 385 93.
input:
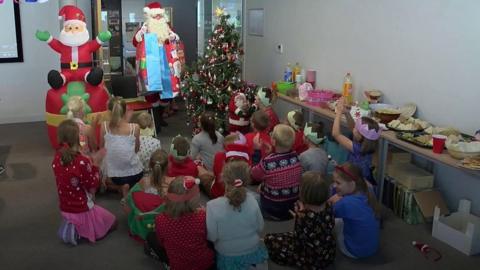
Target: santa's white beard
pixel 159 27
pixel 74 40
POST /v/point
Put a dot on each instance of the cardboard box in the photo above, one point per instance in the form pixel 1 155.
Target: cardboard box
pixel 410 176
pixel 460 230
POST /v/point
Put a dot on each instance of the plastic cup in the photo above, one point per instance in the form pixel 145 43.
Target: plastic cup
pixel 438 143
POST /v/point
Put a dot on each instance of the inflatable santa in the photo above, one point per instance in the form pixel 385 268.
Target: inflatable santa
pixel 75 49
pixel 78 77
pixel 159 60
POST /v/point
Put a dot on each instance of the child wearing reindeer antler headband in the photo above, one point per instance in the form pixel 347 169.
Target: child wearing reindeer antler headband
pixel 366 132
pixel 180 238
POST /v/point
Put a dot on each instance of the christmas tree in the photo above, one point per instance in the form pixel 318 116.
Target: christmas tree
pixel 210 82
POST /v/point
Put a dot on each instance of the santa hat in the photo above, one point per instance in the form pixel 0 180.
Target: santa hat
pixel 154 8
pixel 71 14
pixel 239 151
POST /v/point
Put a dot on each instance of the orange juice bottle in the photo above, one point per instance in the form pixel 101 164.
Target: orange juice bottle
pixel 347 92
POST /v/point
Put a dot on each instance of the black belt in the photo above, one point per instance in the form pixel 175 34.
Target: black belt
pixel 74 66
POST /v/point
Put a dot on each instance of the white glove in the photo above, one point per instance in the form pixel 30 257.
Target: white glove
pixel 173 37
pixel 140 33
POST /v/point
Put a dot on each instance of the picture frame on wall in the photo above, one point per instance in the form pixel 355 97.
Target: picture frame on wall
pixel 255 22
pixel 11 49
pixel 169 15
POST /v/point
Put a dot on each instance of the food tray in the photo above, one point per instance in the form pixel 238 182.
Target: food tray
pixel 407 136
pixel 406 131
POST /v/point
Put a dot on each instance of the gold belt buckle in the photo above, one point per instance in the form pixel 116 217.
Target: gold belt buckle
pixel 73 66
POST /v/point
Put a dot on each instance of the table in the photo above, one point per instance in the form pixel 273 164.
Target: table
pixel 388 138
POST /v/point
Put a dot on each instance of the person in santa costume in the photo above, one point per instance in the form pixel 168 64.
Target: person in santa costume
pixel 75 49
pixel 239 112
pixel 170 61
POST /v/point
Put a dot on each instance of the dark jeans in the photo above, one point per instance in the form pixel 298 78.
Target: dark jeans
pixel 130 180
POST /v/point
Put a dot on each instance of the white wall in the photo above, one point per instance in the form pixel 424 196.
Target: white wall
pixel 422 51
pixel 414 51
pixel 24 85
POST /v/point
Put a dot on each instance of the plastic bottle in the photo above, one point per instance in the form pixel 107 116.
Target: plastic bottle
pixel 347 92
pixel 296 71
pixel 287 76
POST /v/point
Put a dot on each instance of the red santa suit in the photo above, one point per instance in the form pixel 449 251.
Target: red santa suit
pixel 238 118
pixel 76 62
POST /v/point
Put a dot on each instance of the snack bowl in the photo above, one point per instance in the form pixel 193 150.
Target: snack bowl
pixel 461 155
pixel 385 112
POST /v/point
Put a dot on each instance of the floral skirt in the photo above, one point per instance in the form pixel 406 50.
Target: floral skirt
pixel 242 262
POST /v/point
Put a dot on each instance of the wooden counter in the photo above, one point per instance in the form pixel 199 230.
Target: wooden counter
pixel 389 137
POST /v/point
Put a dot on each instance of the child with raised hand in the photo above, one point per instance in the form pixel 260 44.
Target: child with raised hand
pixel 311 244
pixel 180 238
pixel 258 142
pixel 314 158
pixel 264 100
pixel 148 144
pixel 121 140
pixel 208 142
pixel 356 213
pixel 366 132
pixel 77 179
pixel 234 221
pixel 280 174
pixel 145 199
pixel 296 121
pixel 76 112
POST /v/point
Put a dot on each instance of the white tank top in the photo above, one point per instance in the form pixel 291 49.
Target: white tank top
pixel 121 159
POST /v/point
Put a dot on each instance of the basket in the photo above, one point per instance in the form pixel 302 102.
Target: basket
pixel 284 87
pixel 317 97
pixel 461 155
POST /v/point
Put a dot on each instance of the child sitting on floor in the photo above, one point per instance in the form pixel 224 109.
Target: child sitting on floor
pixel 366 132
pixel 77 179
pixel 315 158
pixel 76 112
pixel 146 198
pixel 179 161
pixel 356 210
pixel 148 144
pixel 235 149
pixel 180 239
pixel 121 140
pixel 296 121
pixel 208 142
pixel 264 100
pixel 234 222
pixel 258 142
pixel 280 174
pixel 311 245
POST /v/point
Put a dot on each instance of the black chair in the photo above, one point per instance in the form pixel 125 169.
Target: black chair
pixel 126 87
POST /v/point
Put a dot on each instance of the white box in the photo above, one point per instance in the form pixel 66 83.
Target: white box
pixel 460 230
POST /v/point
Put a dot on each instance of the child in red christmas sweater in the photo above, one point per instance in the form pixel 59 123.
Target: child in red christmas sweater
pixel 296 121
pixel 264 100
pixel 258 142
pixel 180 239
pixel 77 179
pixel 179 161
pixel 235 149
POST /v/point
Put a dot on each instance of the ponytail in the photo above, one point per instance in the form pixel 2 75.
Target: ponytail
pixel 236 175
pixel 236 196
pixel 158 165
pixel 68 138
pixel 207 121
pixel 117 107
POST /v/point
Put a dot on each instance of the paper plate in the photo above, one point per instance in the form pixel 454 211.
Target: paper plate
pixel 408 110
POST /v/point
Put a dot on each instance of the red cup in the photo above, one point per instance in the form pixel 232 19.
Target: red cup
pixel 438 143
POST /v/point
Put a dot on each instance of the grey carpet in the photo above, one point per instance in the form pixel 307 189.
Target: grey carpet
pixel 29 218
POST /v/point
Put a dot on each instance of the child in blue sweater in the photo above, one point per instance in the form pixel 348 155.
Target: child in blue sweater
pixel 234 222
pixel 356 210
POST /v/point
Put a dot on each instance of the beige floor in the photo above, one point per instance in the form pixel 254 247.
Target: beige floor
pixel 29 218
